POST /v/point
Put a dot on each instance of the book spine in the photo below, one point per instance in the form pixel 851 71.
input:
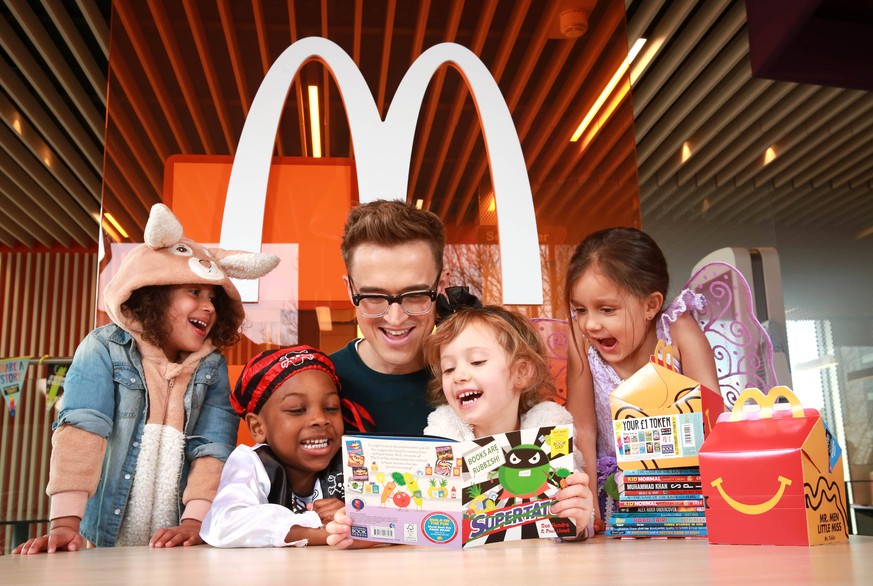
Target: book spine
pixel 657 522
pixel 658 502
pixel 655 533
pixel 662 486
pixel 662 510
pixel 691 491
pixel 690 471
pixel 693 515
pixel 631 478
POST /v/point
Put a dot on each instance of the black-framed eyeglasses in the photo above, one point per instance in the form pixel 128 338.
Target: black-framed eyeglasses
pixel 378 304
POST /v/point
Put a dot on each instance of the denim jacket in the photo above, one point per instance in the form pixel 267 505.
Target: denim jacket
pixel 105 394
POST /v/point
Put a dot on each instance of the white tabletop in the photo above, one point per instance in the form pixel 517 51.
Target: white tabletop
pixel 598 561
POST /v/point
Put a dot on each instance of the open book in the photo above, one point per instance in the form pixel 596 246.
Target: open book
pixel 434 491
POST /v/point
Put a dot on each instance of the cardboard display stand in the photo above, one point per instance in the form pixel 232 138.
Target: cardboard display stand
pixel 660 417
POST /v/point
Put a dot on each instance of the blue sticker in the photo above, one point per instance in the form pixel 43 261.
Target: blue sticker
pixel 439 528
pixel 834 449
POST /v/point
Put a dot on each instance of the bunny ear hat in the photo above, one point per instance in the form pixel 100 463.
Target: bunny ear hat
pixel 168 258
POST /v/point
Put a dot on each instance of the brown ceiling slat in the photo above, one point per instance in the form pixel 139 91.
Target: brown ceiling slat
pixel 324 94
pixel 862 179
pixel 497 68
pixel 713 150
pixel 387 37
pixel 151 168
pixel 126 196
pixel 420 28
pixel 236 59
pixel 559 127
pixel 828 138
pixel 33 109
pixel 614 168
pixel 154 78
pixel 137 177
pixel 426 121
pixel 50 180
pixel 700 103
pixel 658 75
pixel 183 76
pixel 852 166
pixel 40 150
pixel 264 52
pixel 38 80
pixel 787 210
pixel 851 139
pixel 719 52
pixel 763 196
pixel 40 38
pixel 856 216
pixel 7 239
pixel 708 112
pixel 450 122
pixel 356 33
pixel 642 18
pixel 97 23
pixel 298 84
pixel 522 76
pixel 744 164
pixel 805 135
pixel 192 13
pixel 21 179
pixel 18 209
pixel 583 164
pixel 743 102
pixel 61 19
pixel 123 76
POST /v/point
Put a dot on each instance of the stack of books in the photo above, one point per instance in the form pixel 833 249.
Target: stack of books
pixel 659 503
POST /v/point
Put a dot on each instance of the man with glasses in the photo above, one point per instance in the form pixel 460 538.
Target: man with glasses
pixel 393 254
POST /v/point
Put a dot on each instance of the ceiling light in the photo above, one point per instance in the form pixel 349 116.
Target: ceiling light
pixel 619 74
pixel 686 151
pixel 769 155
pixel 107 227
pixel 314 121
pixel 16 125
pixel 864 233
pixel 419 203
pixel 115 224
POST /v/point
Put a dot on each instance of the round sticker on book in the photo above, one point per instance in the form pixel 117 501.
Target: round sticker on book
pixel 357 504
pixel 439 527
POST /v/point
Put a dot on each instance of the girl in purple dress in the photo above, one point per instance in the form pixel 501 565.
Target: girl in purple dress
pixel 616 286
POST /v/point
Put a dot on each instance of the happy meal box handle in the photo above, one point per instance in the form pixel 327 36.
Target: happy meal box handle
pixel 663 355
pixel 766 402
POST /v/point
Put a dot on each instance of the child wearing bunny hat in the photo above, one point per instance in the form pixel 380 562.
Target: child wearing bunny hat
pixel 147 423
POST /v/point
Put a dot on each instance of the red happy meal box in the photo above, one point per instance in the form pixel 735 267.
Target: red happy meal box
pixel 773 477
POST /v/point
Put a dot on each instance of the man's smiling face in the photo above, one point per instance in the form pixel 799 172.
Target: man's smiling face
pixel 393 342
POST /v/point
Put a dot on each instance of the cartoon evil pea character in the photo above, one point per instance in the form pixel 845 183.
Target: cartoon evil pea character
pixel 526 472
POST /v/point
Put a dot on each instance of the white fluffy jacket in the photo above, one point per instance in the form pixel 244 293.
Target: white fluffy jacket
pixel 444 422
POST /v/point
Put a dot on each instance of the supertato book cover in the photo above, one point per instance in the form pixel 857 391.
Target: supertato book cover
pixel 440 492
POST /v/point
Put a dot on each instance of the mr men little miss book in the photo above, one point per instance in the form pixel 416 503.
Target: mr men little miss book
pixel 435 491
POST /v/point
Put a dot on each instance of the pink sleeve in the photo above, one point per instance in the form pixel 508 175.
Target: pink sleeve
pixel 74 470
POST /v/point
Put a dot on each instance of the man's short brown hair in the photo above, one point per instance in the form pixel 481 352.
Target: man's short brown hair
pixel 390 223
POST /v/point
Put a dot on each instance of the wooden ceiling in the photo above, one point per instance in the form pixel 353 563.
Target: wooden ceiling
pixel 184 74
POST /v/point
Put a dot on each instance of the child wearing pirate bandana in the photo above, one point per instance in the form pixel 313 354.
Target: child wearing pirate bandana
pixel 284 489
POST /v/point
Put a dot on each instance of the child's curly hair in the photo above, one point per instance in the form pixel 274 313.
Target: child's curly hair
pixel 149 306
pixel 514 333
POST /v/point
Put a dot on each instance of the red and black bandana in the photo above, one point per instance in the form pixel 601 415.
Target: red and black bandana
pixel 264 373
